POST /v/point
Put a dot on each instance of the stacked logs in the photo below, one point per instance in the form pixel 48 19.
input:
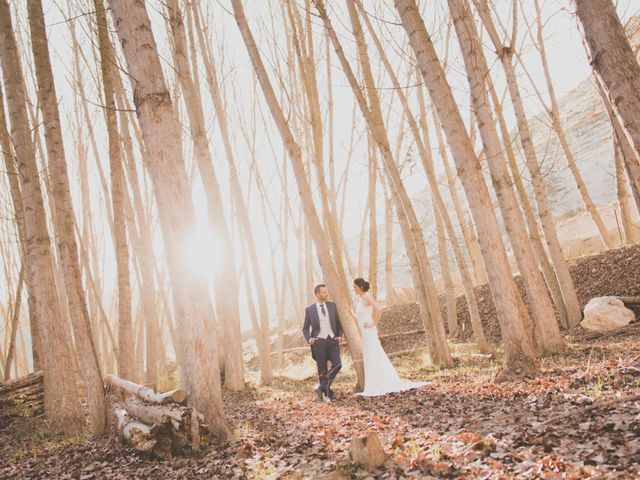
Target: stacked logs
pixel 22 397
pixel 155 423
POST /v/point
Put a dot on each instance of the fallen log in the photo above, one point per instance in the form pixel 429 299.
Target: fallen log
pixel 155 439
pixel 145 393
pixel 152 414
pixel 162 430
pixel 22 397
pixel 630 300
pixel 22 382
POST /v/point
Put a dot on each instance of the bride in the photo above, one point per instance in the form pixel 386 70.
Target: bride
pixel 380 376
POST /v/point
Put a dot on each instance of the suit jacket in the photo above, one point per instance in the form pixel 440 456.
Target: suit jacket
pixel 311 326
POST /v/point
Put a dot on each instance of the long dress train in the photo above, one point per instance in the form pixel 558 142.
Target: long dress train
pixel 380 376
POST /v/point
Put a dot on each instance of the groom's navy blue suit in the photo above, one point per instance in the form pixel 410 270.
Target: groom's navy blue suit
pixel 324 349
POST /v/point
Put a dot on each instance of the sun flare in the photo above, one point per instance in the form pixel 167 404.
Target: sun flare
pixel 202 252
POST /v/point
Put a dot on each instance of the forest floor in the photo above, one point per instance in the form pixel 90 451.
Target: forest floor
pixel 579 418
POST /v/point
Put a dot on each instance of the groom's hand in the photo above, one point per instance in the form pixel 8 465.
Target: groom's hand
pixel 312 341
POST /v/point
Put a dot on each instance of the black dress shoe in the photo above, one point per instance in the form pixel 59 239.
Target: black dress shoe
pixel 331 395
pixel 318 394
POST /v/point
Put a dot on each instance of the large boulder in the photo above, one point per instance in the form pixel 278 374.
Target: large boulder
pixel 603 314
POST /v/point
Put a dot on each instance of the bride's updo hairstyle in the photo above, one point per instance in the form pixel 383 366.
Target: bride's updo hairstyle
pixel 362 284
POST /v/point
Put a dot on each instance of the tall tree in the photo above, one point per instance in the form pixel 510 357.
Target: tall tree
pixel 262 339
pixel 613 61
pixel 320 239
pixel 547 330
pixel 225 276
pixel 412 234
pixel 18 211
pixel 423 146
pixel 519 350
pixel 505 54
pixel 534 233
pixel 554 113
pixel 197 341
pixel 62 405
pixel 126 364
pixel 65 216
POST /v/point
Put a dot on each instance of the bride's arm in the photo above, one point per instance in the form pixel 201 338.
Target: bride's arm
pixel 377 309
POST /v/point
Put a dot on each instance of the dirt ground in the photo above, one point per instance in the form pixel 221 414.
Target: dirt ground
pixel 580 418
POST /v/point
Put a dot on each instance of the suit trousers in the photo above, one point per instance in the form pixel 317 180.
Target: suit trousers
pixel 327 350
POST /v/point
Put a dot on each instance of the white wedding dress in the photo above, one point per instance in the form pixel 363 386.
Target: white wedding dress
pixel 380 376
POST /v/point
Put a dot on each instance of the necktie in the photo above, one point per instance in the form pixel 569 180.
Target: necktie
pixel 324 314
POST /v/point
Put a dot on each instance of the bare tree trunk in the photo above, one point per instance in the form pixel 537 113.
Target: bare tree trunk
pixel 424 149
pixel 449 290
pixel 15 318
pixel 505 55
pixel 519 350
pixel 308 76
pixel 142 241
pixel 293 149
pixel 414 239
pixel 373 226
pixel 225 277
pixel 388 247
pixel 197 342
pixel 534 234
pixel 18 209
pixel 36 346
pixel 613 61
pixel 61 397
pixel 631 229
pixel 241 208
pixel 554 113
pixel 65 216
pixel 126 335
pixel 547 332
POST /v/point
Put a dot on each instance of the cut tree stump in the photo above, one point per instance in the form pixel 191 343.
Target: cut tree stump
pixel 145 393
pixel 368 451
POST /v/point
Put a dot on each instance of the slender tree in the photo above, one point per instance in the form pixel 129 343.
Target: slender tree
pixel 61 396
pixel 519 350
pixel 613 60
pixel 320 239
pixel 554 114
pixel 240 204
pixel 225 275
pixel 547 330
pixel 423 146
pixel 534 234
pixel 413 236
pixel 126 364
pixel 65 216
pixel 197 342
pixel 505 54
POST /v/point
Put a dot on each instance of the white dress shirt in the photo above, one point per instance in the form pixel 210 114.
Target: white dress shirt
pixel 325 325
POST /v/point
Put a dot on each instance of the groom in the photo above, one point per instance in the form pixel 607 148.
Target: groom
pixel 322 330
